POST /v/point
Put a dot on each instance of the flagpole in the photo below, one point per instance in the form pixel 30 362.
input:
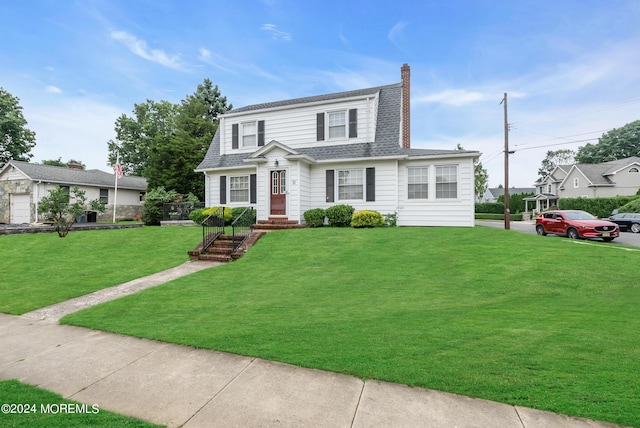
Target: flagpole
pixel 115 194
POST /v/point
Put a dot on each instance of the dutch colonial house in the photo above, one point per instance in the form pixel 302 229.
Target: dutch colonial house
pixel 287 157
pixel 23 185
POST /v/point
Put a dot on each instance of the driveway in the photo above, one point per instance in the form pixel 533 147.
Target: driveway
pixel 626 238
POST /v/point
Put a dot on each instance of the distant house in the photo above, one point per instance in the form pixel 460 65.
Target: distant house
pixel 603 180
pixel 23 185
pixel 287 157
pixel 492 194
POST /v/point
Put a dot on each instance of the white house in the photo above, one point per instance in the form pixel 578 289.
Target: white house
pixel 287 157
pixel 23 185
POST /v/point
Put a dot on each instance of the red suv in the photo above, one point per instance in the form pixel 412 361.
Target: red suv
pixel 576 224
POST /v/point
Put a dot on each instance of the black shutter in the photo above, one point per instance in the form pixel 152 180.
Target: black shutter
pixel 252 189
pixel 353 123
pixel 371 184
pixel 234 136
pixel 320 127
pixel 223 189
pixel 261 133
pixel 330 189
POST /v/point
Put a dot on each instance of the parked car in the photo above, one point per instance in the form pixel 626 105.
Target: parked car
pixel 627 221
pixel 576 224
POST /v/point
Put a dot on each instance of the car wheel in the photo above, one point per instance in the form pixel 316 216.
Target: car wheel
pixel 573 233
pixel 635 227
pixel 540 230
pixel 608 239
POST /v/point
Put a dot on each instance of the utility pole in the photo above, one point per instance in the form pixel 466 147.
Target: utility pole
pixel 507 213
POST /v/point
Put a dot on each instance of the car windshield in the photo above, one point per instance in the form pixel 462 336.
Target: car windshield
pixel 579 215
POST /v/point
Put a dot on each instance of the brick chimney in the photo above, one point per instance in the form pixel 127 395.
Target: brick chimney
pixel 405 73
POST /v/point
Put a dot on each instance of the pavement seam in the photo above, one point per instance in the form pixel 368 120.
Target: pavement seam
pixel 114 372
pixel 355 413
pixel 519 417
pixel 220 391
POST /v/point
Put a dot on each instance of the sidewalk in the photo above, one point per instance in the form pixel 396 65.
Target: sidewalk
pixel 183 386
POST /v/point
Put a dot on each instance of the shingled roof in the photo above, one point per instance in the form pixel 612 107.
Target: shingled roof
pixel 601 174
pixel 386 144
pixel 75 177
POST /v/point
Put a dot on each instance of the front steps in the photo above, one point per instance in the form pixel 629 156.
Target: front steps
pixel 277 223
pixel 222 249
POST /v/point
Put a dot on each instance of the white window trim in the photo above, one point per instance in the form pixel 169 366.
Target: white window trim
pixel 428 182
pixel 576 182
pixel 242 135
pixel 248 189
pixel 345 117
pixel 337 186
pixel 435 182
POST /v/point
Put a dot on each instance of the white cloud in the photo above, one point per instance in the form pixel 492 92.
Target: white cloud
pixel 396 33
pixel 140 48
pixel 275 34
pixel 454 97
pixel 53 89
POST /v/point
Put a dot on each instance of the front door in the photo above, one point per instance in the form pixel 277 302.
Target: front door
pixel 278 192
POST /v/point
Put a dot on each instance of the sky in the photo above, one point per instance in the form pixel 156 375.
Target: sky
pixel 570 68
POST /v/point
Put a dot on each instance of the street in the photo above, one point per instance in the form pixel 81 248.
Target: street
pixel 626 238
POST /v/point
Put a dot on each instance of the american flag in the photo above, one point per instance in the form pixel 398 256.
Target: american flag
pixel 117 169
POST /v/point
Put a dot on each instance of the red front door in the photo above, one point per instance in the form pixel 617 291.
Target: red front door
pixel 278 193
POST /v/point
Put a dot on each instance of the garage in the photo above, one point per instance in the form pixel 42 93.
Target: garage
pixel 20 208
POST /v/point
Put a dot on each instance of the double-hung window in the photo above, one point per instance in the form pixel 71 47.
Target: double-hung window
pixel 350 184
pixel 446 182
pixel 104 195
pixel 249 134
pixel 418 179
pixel 337 124
pixel 239 188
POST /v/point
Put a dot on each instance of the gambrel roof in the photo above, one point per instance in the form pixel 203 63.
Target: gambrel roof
pixel 387 135
pixel 75 177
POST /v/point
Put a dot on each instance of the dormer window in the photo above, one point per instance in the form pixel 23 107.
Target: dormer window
pixel 334 125
pixel 247 134
pixel 337 124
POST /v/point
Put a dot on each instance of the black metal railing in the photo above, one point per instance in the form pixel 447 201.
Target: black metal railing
pixel 242 226
pixel 212 228
pixel 179 210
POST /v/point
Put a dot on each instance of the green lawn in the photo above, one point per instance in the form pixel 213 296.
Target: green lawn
pixel 47 409
pixel 538 322
pixel 41 269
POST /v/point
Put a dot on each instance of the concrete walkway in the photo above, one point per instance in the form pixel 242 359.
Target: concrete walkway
pixel 183 386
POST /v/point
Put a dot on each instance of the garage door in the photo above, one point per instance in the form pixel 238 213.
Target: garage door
pixel 20 209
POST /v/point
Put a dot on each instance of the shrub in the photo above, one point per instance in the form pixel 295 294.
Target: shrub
pixel 391 219
pixel 340 215
pixel 601 207
pixel 367 218
pixel 490 207
pixel 153 204
pixel 199 215
pixel 631 207
pixel 250 218
pixel 486 216
pixel 315 217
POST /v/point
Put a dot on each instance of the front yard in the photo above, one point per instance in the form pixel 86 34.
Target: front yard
pixel 506 316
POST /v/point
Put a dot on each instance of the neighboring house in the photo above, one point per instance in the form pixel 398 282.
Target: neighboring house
pixel 23 185
pixel 492 194
pixel 287 157
pixel 602 180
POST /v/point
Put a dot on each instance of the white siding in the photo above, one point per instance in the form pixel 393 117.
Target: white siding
pixel 296 127
pixel 432 211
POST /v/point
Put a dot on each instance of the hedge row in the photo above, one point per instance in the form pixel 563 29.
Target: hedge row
pixel 344 216
pixel 600 207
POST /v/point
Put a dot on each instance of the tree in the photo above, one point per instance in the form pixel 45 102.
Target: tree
pixel 16 141
pixel 481 177
pixel 553 159
pixel 63 209
pixel 619 143
pixel 165 142
pixel 58 162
